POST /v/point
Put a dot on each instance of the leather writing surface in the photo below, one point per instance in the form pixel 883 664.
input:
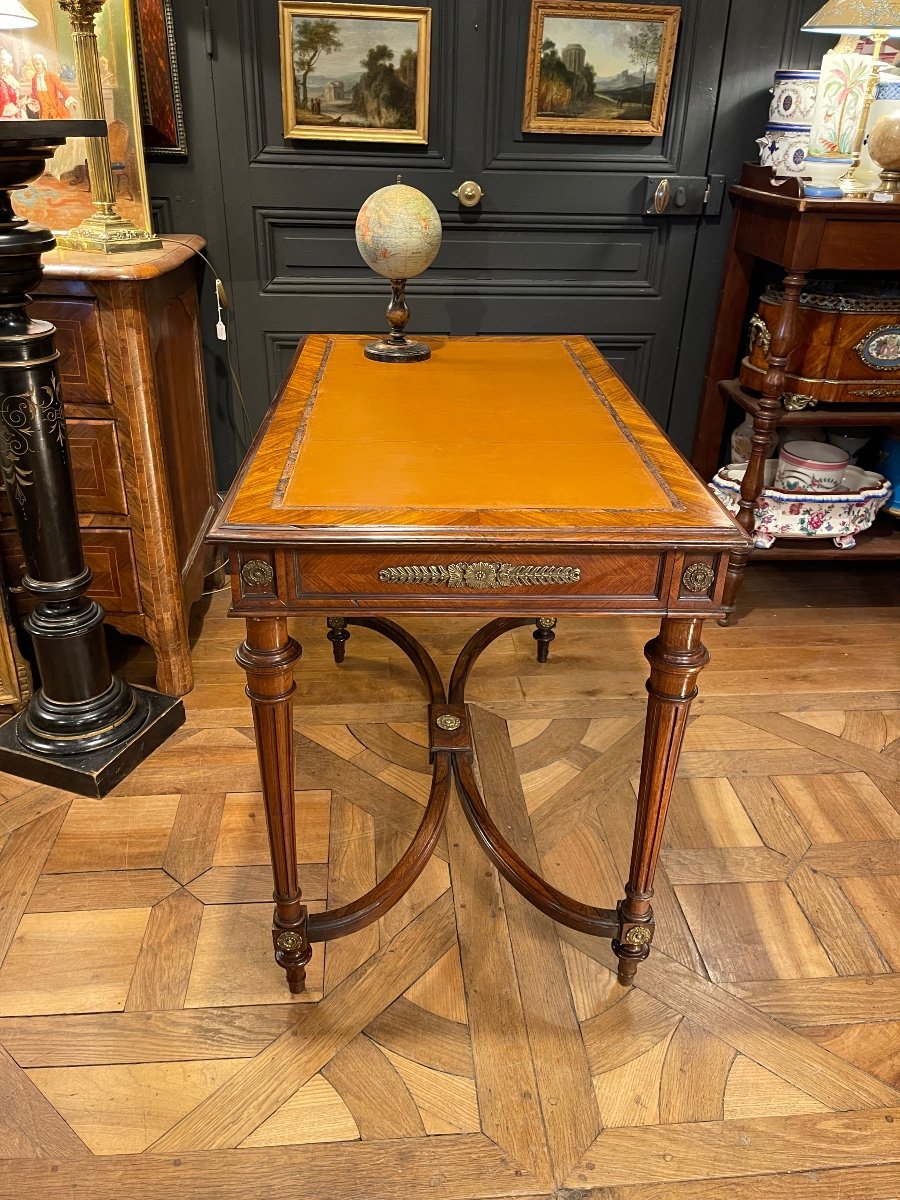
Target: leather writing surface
pixel 533 438
pixel 481 425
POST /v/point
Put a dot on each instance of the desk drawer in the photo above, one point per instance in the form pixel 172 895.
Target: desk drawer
pixel 465 577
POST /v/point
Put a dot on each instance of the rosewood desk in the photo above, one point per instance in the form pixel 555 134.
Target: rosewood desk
pixel 516 478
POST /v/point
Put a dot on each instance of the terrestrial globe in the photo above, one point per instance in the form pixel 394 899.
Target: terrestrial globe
pixel 398 233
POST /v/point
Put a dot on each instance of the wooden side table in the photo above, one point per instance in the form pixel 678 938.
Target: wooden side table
pixel 799 236
pixel 133 386
pixel 375 490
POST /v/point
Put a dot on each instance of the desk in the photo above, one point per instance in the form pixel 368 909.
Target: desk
pixel 516 478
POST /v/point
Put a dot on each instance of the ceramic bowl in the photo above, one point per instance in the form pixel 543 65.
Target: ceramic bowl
pixel 811 467
pixel 779 514
pixel 784 149
pixel 821 174
pixel 794 96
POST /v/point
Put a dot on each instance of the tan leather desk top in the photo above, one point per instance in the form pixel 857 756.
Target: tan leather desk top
pixel 532 437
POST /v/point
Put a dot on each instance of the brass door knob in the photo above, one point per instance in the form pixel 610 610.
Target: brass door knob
pixel 469 194
pixel 662 197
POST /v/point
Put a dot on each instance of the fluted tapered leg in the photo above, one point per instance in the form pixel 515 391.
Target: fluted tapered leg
pixel 268 656
pixel 676 658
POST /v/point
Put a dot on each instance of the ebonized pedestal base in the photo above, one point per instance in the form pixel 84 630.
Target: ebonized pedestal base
pixel 97 773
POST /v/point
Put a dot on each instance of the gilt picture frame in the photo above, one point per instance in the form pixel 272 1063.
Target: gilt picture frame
pixel 162 110
pixel 40 81
pixel 599 68
pixel 355 72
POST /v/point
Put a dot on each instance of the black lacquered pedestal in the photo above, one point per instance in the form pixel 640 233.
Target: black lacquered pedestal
pixel 84 729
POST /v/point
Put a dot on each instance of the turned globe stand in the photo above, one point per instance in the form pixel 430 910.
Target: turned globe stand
pixel 85 729
pixel 397 348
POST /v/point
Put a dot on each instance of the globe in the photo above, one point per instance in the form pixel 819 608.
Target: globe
pixel 398 232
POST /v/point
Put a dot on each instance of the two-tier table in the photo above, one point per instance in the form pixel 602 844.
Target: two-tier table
pixel 516 478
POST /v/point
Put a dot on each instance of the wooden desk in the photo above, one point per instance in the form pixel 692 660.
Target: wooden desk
pixel 511 477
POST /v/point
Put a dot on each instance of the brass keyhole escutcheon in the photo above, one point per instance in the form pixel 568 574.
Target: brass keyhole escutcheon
pixel 469 194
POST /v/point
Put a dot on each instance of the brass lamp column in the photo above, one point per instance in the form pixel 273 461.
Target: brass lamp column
pixel 105 230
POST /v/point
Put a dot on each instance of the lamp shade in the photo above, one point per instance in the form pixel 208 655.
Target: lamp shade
pixel 856 16
pixel 14 15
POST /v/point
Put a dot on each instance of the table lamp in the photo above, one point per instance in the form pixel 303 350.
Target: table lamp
pixel 105 230
pixel 14 15
pixel 853 19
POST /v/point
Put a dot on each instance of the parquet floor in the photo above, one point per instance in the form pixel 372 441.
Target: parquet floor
pixel 467 1047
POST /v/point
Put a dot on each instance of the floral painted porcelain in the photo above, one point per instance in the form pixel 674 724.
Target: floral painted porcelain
pixel 838 515
pixel 811 467
pixel 794 96
pixel 840 103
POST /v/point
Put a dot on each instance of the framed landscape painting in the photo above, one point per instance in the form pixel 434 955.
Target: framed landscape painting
pixel 599 68
pixel 355 72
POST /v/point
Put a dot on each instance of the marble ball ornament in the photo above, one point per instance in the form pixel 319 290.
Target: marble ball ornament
pixel 884 141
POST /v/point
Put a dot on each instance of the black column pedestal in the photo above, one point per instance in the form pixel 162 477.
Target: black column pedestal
pixel 85 729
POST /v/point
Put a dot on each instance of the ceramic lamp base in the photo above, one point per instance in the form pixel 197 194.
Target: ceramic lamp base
pixel 398 351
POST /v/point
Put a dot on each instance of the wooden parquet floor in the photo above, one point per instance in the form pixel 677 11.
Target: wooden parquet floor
pixel 466 1047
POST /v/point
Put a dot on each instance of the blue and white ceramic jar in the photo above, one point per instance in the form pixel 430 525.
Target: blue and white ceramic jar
pixel 784 149
pixel 794 97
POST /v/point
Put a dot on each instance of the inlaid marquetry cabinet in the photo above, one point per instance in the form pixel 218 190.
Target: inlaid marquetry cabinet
pixel 131 366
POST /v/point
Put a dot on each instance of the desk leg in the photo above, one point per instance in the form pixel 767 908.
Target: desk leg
pixel 544 635
pixel 676 658
pixel 268 656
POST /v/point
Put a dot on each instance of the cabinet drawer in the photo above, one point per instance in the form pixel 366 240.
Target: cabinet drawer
pixel 419 575
pixel 109 554
pixel 82 362
pixel 96 468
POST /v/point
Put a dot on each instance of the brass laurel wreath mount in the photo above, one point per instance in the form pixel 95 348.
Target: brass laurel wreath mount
pixel 481 576
pixel 105 231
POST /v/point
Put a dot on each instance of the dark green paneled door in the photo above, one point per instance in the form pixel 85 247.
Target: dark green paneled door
pixel 561 242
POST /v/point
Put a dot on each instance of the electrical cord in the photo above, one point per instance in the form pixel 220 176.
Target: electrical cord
pixel 223 303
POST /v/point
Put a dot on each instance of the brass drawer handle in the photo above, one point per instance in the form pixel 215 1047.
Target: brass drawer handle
pixel 482 575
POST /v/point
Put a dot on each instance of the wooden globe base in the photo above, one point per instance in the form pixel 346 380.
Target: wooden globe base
pixel 398 348
pixel 401 350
